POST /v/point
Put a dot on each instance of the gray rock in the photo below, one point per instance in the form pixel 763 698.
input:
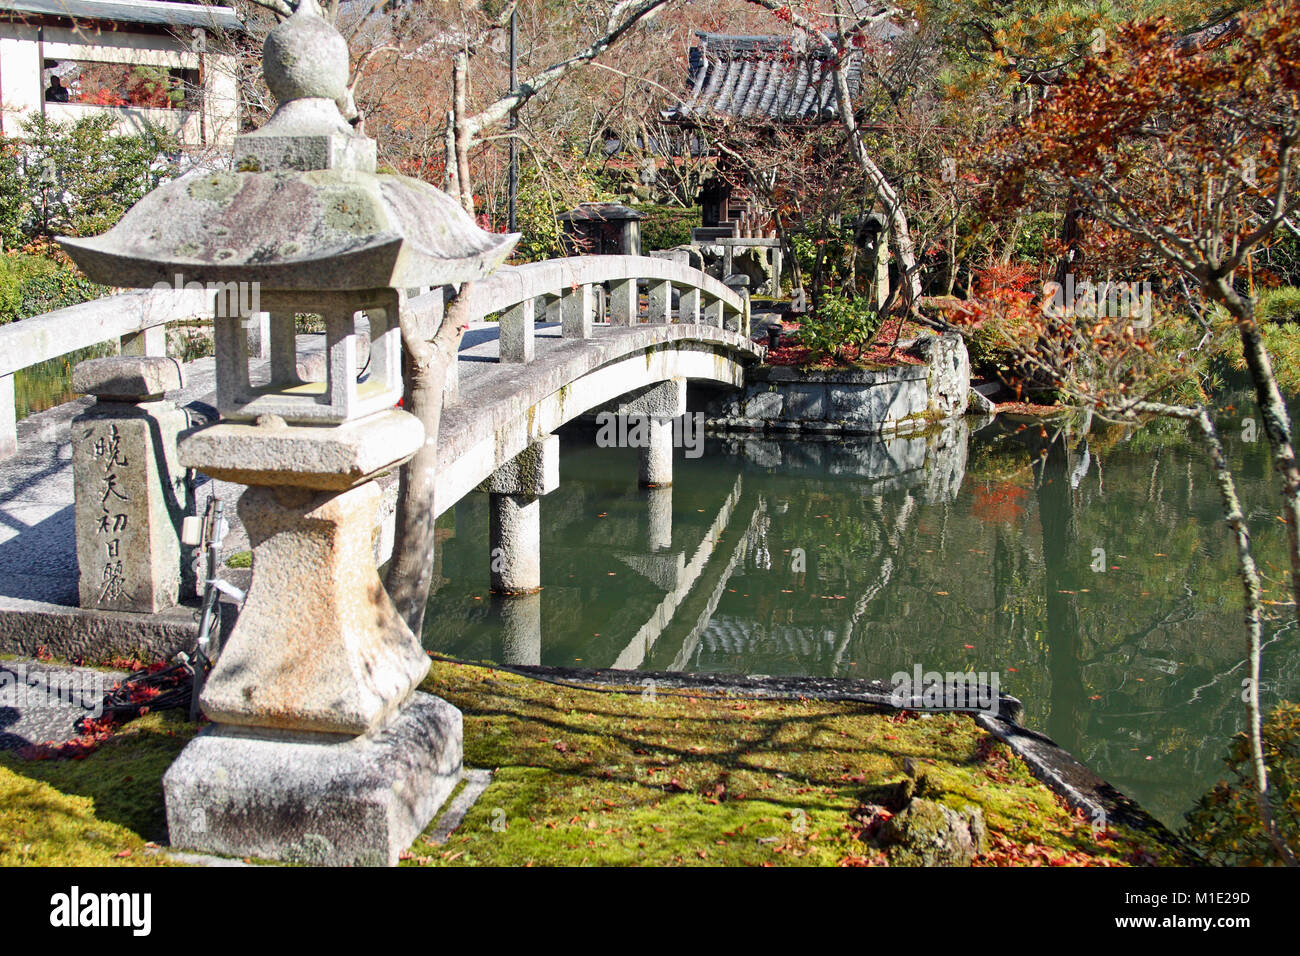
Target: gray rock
pixel 927 833
pixel 979 404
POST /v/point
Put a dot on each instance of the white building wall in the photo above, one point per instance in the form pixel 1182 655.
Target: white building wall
pixel 22 87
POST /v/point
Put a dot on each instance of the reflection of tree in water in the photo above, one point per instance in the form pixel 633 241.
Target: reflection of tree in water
pixel 1186 637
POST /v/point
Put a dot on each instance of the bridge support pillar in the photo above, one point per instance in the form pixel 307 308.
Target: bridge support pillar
pixel 659 512
pixel 521 626
pixel 515 528
pixel 655 408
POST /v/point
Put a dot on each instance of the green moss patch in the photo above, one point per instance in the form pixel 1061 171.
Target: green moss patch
pixel 94 811
pixel 614 778
pixel 607 779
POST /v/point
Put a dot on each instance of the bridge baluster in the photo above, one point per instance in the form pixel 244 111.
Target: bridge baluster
pixel 578 307
pixel 661 303
pixel 688 306
pixel 552 308
pixel 8 417
pixel 150 342
pixel 714 309
pixel 517 337
pixel 624 303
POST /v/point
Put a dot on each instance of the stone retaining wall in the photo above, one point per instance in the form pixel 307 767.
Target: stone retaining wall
pixel 896 400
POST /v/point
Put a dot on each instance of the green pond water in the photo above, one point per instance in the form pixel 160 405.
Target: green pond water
pixel 967 551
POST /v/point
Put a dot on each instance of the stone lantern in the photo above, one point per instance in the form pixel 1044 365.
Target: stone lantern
pixel 321 748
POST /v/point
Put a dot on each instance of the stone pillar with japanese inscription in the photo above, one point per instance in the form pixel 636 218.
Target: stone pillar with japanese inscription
pixel 130 489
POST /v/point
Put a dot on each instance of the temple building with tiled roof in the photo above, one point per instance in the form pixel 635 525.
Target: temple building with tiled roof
pixel 769 78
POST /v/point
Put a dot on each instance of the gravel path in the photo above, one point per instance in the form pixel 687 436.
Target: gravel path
pixel 41 703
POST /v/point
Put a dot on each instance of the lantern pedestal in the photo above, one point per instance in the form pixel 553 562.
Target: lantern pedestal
pixel 321 751
pixel 321 799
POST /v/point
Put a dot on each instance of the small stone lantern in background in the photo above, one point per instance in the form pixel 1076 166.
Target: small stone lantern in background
pixel 600 229
pixel 321 749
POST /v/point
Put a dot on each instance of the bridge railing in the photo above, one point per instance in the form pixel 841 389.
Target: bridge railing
pixel 572 292
pixel 137 320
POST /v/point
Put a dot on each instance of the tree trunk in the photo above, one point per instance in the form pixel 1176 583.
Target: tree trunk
pixel 460 126
pixel 1277 423
pixel 426 360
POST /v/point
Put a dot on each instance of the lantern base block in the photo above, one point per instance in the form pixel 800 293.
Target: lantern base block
pixel 320 799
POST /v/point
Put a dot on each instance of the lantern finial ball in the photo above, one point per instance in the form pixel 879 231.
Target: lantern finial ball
pixel 305 57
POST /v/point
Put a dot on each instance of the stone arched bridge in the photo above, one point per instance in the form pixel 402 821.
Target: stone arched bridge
pixel 516 387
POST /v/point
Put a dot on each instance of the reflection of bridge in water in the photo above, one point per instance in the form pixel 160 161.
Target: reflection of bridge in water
pixel 685 559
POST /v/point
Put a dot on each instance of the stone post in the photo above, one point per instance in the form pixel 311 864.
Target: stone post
pixel 129 487
pixel 515 533
pixel 577 309
pixel 738 284
pixel 661 303
pixel 688 306
pixel 882 269
pixel 624 303
pixel 8 417
pixel 517 332
pixel 150 342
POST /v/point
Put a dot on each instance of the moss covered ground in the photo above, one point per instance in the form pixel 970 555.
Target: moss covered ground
pixel 599 778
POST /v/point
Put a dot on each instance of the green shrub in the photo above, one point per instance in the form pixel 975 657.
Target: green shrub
pixel 988 357
pixel 12 197
pixel 667 226
pixel 1279 305
pixel 1224 825
pixel 538 204
pixel 81 176
pixel 840 322
pixel 1039 229
pixel 30 285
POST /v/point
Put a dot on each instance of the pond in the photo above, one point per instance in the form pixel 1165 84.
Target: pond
pixel 1093 575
